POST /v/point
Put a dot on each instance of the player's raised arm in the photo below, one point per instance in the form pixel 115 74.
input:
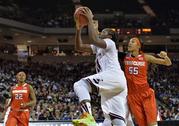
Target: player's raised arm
pixel 79 45
pixel 163 60
pixel 93 33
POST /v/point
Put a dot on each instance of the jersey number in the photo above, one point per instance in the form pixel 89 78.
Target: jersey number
pixel 133 70
pixel 18 96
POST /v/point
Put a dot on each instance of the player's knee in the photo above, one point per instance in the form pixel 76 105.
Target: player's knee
pixel 76 86
pixel 81 85
pixel 118 122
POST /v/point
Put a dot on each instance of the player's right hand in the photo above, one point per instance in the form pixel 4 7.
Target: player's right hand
pixel 78 26
pixel 87 12
pixel 23 105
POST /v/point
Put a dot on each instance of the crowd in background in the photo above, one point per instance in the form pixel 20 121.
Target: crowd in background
pixel 164 81
pixel 56 100
pixel 53 84
pixel 60 14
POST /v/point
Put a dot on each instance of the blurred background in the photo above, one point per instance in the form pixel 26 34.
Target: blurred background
pixel 38 35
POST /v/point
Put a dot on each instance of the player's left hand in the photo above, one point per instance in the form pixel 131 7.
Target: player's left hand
pixel 162 54
pixel 87 12
pixel 23 105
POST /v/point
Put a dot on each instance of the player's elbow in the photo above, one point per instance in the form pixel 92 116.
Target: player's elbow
pixel 34 102
pixel 168 64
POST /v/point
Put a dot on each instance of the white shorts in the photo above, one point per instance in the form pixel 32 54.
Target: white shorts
pixel 115 106
pixel 113 91
pixel 128 121
pixel 108 82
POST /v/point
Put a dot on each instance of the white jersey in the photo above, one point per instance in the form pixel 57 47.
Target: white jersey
pixel 107 59
pixel 109 75
pixel 110 81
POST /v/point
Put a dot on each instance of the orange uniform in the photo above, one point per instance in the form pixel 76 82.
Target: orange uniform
pixel 141 98
pixel 19 116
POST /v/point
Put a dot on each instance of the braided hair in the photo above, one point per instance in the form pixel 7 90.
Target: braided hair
pixel 113 33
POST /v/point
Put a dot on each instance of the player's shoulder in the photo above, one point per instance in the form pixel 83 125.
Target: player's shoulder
pixel 110 44
pixel 141 56
pixel 14 87
pixel 109 40
pixel 148 57
pixel 27 86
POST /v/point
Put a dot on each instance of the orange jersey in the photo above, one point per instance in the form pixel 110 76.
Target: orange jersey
pixel 136 73
pixel 20 94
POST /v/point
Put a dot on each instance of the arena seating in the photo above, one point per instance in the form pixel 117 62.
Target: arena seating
pixel 60 13
pixel 53 85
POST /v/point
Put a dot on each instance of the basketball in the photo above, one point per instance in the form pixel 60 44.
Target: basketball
pixel 83 21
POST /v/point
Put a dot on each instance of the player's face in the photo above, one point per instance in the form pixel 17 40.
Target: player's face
pixel 21 76
pixel 132 45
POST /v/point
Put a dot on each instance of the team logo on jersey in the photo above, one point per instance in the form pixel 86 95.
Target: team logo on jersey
pixel 135 63
pixel 19 91
pixel 141 58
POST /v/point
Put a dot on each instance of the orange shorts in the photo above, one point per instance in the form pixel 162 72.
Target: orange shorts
pixel 18 118
pixel 143 106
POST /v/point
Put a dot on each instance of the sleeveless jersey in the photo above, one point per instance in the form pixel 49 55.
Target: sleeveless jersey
pixel 20 94
pixel 136 73
pixel 107 59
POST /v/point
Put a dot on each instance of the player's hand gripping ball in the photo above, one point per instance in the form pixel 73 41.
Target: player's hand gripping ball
pixel 80 19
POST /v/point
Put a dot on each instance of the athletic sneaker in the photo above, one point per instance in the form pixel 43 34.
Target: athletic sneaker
pixel 85 120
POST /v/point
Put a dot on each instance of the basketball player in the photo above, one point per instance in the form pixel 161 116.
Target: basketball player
pixel 141 98
pixel 109 80
pixel 22 99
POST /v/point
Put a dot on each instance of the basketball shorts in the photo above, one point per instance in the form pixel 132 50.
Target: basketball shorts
pixel 19 118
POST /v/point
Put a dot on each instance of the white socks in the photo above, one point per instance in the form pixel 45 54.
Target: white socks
pixel 82 90
pixel 86 106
